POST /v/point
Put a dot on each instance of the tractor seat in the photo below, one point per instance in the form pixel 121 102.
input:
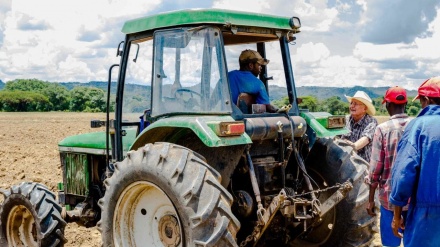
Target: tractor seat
pixel 245 101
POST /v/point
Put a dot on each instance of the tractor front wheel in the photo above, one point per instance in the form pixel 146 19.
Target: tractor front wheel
pixel 30 216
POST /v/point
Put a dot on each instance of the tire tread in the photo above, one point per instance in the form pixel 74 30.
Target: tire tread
pixel 46 212
pixel 204 203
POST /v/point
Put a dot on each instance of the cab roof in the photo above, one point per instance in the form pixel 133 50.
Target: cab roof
pixel 206 16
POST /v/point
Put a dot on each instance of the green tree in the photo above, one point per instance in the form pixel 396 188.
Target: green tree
pixel 58 95
pixel 281 102
pixel 97 100
pixel 310 103
pixel 87 99
pixel 21 101
pixel 380 108
pixel 412 111
pixel 32 85
pixel 334 105
pixel 413 108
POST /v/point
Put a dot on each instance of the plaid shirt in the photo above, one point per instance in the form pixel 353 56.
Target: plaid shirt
pixel 384 151
pixel 364 127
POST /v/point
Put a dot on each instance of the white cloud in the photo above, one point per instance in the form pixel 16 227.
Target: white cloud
pixel 397 21
pixel 76 40
pixel 248 5
pixel 318 17
pixel 310 53
pixel 71 67
pixel 45 34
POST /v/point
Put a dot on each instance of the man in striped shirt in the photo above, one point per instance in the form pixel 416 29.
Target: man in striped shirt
pixel 385 140
pixel 361 124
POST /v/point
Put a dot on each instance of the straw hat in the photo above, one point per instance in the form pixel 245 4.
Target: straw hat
pixel 365 99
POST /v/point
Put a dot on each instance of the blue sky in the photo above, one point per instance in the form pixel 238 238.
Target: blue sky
pixel 342 43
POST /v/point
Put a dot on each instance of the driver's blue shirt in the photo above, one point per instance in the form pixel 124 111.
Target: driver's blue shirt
pixel 246 82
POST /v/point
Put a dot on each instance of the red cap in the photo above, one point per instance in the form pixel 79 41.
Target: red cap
pixel 396 95
pixel 429 88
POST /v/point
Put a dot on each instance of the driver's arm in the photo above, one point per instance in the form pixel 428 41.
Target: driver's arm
pixel 271 108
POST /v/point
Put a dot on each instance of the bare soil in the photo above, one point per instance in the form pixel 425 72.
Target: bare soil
pixel 29 152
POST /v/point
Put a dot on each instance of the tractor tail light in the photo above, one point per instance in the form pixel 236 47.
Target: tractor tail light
pixel 231 128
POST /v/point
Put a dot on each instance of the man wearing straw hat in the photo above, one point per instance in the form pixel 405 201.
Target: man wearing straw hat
pixel 416 173
pixel 361 124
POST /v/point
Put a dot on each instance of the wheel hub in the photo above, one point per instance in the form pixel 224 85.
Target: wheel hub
pixel 21 229
pixel 169 231
pixel 145 216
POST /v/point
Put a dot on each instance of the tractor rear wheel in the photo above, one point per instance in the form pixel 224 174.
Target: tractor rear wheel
pixel 348 224
pixel 30 216
pixel 166 195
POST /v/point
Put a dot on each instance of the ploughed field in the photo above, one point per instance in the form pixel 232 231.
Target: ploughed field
pixel 29 152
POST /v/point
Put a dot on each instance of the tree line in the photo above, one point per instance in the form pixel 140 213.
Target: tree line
pixel 336 106
pixel 35 95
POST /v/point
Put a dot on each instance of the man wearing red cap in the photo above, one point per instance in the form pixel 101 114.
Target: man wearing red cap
pixel 416 172
pixel 386 137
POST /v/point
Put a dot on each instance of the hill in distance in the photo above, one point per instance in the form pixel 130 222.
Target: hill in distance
pixel 275 92
pixel 321 93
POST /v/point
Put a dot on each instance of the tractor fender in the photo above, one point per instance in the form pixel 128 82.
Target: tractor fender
pixel 173 128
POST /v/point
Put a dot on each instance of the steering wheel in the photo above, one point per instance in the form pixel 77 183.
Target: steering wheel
pixel 181 90
pixel 189 103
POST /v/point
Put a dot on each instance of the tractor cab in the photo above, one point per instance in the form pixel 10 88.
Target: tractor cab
pixel 182 69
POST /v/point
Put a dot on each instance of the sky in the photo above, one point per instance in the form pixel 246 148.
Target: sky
pixel 343 43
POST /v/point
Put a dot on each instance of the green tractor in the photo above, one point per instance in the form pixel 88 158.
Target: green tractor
pixel 182 165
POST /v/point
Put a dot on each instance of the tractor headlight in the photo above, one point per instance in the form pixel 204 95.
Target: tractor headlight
pixel 295 23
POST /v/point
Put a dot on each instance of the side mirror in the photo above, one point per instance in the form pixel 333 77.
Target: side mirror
pixel 119 50
pixel 97 123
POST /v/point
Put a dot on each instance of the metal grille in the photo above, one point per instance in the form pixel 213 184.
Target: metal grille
pixel 76 171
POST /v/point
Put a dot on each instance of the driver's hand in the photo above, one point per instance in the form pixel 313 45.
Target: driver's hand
pixel 285 108
pixel 271 109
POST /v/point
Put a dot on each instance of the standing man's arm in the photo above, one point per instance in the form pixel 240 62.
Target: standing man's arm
pixel 397 221
pixel 376 168
pixel 404 174
pixel 370 208
pixel 362 142
pixel 367 135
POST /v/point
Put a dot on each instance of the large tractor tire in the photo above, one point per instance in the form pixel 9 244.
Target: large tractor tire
pixel 166 195
pixel 331 162
pixel 30 216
